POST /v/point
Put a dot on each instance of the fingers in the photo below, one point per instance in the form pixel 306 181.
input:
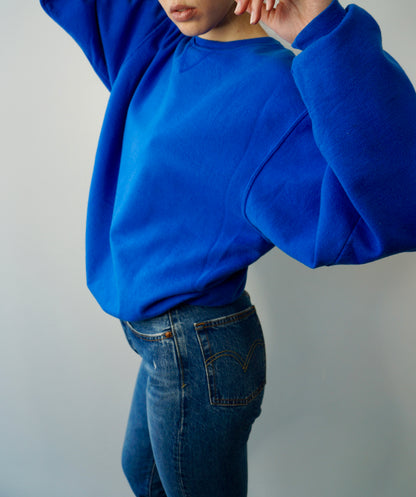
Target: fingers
pixel 269 4
pixel 254 8
pixel 241 6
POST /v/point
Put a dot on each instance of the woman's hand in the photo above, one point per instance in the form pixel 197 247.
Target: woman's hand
pixel 287 18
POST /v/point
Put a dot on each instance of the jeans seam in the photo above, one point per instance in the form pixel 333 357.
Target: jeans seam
pixel 181 427
pixel 151 478
pixel 205 365
pixel 212 397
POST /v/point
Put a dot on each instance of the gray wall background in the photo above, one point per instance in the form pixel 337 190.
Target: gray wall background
pixel 339 417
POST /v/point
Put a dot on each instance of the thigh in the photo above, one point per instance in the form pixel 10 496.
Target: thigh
pixel 137 457
pixel 154 422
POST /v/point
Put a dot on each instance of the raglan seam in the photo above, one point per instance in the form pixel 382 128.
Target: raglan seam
pixel 152 33
pixel 149 35
pixel 263 164
pixel 300 119
pixel 103 72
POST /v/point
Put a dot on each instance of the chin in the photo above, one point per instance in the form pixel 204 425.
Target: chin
pixel 191 29
pixel 188 31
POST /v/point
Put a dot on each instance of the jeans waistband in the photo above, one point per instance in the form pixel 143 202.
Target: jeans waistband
pixel 197 312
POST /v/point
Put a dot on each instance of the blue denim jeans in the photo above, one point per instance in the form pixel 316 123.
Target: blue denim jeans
pixel 199 389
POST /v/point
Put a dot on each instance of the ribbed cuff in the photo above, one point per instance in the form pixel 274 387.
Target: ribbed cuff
pixel 323 24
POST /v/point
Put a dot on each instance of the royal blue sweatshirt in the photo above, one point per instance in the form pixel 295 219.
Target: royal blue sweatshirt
pixel 211 153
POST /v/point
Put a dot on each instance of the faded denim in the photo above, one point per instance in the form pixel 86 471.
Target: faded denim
pixel 199 389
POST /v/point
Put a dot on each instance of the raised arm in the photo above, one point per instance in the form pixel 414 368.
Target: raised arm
pixel 108 31
pixel 344 178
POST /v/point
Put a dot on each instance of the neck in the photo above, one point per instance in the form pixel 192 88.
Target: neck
pixel 234 28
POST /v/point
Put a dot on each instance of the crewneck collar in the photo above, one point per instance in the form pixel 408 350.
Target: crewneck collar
pixel 230 45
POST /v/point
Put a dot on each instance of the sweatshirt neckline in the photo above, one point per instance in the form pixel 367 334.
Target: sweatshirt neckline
pixel 230 45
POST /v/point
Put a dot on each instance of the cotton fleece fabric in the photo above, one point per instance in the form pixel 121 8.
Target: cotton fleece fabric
pixel 211 153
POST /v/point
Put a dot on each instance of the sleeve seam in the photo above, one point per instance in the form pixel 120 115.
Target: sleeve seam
pixel 258 170
pixel 347 241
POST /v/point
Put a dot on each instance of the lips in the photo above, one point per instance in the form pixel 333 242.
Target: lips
pixel 181 13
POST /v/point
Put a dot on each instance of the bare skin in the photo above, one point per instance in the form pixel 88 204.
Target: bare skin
pixel 223 20
pixel 212 19
pixel 287 19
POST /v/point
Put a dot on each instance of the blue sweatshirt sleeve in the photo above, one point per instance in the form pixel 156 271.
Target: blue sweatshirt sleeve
pixel 108 31
pixel 340 187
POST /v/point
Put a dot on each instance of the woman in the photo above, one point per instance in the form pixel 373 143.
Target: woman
pixel 217 145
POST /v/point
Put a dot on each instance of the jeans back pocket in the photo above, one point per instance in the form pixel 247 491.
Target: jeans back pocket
pixel 234 356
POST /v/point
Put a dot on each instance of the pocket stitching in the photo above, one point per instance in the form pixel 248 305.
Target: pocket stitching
pixel 215 400
pixel 244 364
pixel 237 316
pixel 236 401
pixel 215 323
pixel 150 338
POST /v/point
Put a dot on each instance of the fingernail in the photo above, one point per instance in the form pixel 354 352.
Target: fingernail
pixel 252 18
